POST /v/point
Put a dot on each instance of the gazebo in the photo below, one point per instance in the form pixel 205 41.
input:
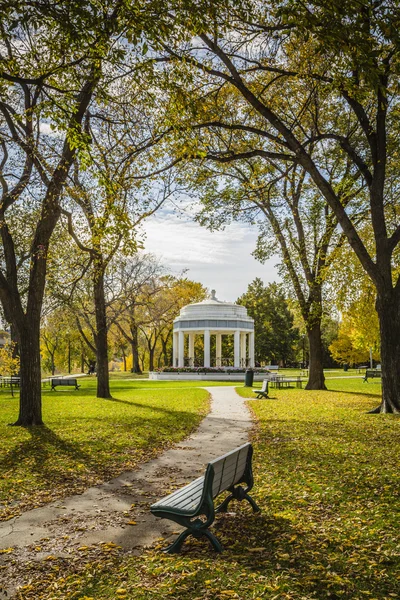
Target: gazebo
pixel 213 317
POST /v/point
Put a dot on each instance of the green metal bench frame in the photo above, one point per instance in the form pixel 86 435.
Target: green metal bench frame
pixel 371 374
pixel 69 381
pixel 199 527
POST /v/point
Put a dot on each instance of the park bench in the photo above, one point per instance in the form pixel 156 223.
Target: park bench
pixel 70 381
pixel 371 374
pixel 193 505
pixel 263 392
pixel 9 381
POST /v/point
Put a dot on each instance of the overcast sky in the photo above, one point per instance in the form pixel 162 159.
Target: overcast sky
pixel 219 260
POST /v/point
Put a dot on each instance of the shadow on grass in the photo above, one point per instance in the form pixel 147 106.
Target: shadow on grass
pixel 312 562
pixel 41 449
pixel 367 394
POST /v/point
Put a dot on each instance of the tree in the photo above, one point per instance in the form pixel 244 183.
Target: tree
pixel 293 221
pixel 275 337
pixel 134 282
pixel 52 61
pixel 349 52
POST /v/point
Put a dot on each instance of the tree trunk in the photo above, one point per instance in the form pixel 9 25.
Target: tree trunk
pixel 316 378
pixel 103 379
pixel 69 356
pixel 151 359
pixel 388 308
pixel 30 406
pixel 135 350
pixel 14 341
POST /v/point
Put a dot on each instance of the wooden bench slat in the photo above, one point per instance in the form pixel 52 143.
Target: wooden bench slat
pixel 229 475
pixel 182 502
pixel 228 479
pixel 181 494
pixel 67 381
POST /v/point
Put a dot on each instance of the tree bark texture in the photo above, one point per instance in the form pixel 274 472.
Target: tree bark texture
pixel 316 378
pixel 135 350
pixel 151 359
pixel 103 379
pixel 30 409
pixel 388 308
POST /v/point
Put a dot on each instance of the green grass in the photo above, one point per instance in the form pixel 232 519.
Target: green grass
pixel 87 440
pixel 328 482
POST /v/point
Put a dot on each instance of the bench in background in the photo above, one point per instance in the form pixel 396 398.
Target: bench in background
pixel 193 505
pixel 372 373
pixel 10 381
pixel 68 381
pixel 263 392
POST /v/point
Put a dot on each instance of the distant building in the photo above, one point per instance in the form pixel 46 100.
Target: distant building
pixel 213 317
pixel 4 338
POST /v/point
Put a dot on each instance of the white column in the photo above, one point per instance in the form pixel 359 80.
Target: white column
pixel 243 349
pixel 236 348
pixel 218 349
pixel 191 349
pixel 181 349
pixel 251 349
pixel 174 349
pixel 206 347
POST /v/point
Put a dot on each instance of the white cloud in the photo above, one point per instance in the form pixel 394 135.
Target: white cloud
pixel 220 260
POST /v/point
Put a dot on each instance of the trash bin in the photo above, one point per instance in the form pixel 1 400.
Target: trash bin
pixel 345 367
pixel 248 377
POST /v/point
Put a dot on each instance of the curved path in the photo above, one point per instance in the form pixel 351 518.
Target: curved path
pixel 103 513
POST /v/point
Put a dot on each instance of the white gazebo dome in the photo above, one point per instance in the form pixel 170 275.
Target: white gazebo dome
pixel 214 317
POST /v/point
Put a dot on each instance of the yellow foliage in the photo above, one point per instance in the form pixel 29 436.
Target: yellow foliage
pixel 358 333
pixel 129 363
pixel 8 363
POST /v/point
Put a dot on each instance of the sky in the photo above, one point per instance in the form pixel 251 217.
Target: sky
pixel 220 260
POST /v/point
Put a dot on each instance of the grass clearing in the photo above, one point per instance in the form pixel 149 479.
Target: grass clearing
pixel 327 480
pixel 88 440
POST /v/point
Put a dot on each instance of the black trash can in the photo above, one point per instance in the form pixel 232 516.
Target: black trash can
pixel 345 367
pixel 248 378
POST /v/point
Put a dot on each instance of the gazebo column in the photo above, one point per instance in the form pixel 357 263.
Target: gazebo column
pixel 191 349
pixel 243 354
pixel 236 349
pixel 181 349
pixel 218 349
pixel 206 347
pixel 175 349
pixel 251 349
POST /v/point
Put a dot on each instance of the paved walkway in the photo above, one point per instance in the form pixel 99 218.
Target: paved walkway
pixel 103 513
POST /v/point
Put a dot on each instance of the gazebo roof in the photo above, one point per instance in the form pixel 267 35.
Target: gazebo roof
pixel 212 308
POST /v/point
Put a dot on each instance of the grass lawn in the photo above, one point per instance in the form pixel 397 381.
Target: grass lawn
pixel 327 480
pixel 87 440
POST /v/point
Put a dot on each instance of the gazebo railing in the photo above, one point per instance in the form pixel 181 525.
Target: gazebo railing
pixel 215 362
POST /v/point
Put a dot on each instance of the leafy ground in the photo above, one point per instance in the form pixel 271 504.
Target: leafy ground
pixel 74 452
pixel 328 483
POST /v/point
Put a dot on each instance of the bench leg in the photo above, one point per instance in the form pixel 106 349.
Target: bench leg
pixel 238 494
pixel 252 503
pixel 176 546
pixel 214 541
